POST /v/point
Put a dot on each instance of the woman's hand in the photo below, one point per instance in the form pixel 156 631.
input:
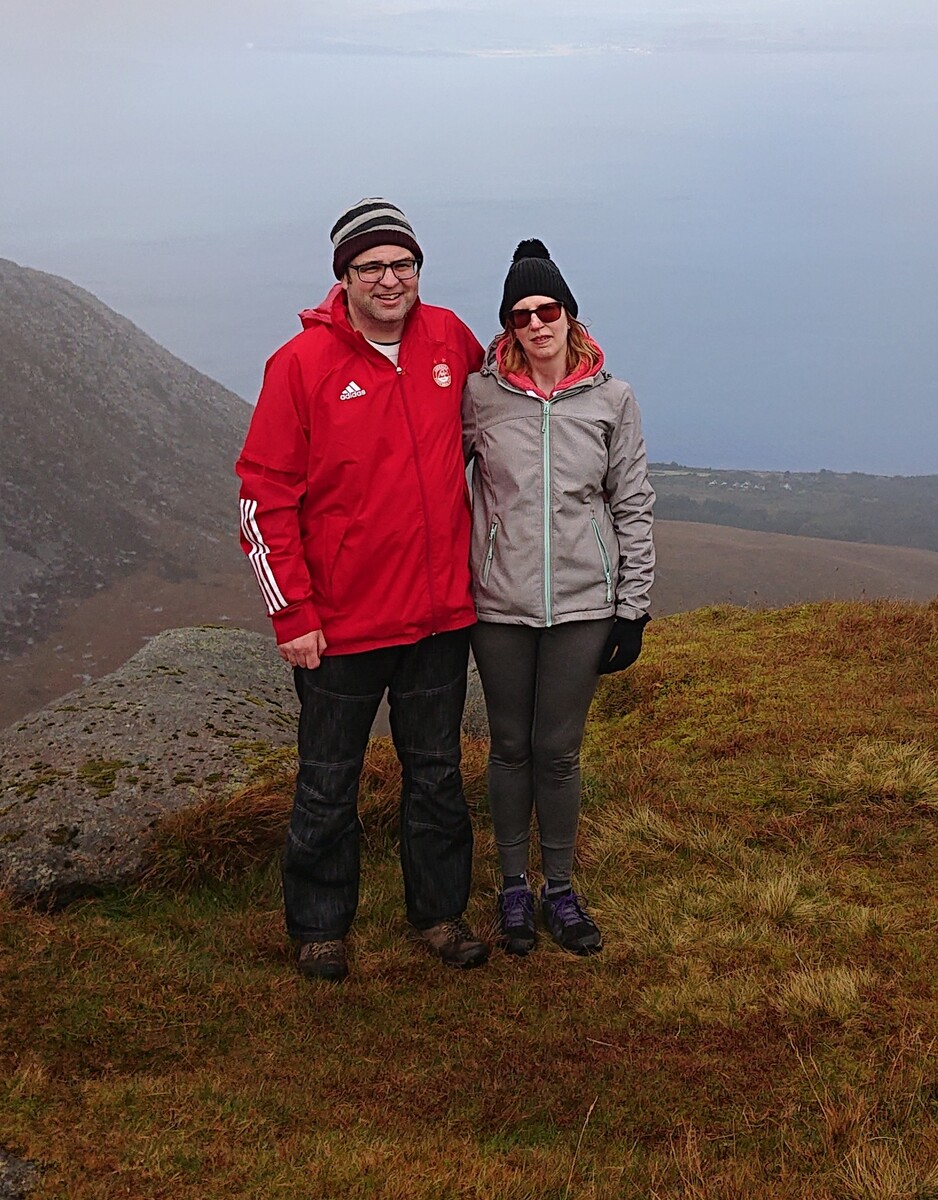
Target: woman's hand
pixel 624 644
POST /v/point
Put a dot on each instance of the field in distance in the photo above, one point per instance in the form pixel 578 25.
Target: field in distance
pixel 875 509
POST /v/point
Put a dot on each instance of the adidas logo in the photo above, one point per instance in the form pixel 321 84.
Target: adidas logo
pixel 352 391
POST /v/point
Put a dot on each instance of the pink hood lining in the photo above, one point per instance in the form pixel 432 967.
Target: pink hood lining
pixel 583 370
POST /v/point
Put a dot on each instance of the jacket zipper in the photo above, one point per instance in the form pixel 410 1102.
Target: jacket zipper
pixel 487 565
pixel 545 457
pixel 604 555
pixel 423 498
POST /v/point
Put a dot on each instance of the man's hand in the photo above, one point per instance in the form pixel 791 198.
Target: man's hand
pixel 304 651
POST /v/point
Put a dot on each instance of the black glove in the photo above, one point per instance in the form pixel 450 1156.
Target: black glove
pixel 624 644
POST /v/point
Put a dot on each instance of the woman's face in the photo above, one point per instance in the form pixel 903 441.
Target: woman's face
pixel 542 341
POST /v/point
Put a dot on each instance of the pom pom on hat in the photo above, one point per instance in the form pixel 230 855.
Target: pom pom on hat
pixel 530 248
pixel 534 273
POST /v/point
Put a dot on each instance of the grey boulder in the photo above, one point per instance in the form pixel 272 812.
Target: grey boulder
pixel 85 781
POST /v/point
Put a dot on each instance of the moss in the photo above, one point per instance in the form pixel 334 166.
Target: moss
pixel 101 774
pixel 263 759
pixel 41 778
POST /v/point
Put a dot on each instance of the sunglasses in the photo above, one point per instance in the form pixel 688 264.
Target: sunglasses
pixel 520 318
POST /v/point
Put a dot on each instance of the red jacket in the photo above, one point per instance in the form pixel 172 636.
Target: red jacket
pixel 354 507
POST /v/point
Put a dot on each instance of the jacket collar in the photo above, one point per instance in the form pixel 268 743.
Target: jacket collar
pixel 332 311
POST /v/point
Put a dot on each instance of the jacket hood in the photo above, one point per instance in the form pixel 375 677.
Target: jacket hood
pixel 490 363
pixel 332 310
pixel 322 314
pixel 579 377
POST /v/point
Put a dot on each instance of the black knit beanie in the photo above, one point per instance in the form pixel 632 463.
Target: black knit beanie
pixel 534 273
pixel 371 222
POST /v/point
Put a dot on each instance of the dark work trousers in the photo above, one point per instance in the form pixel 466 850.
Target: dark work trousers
pixel 538 685
pixel 426 685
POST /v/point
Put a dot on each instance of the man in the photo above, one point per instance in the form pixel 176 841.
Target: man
pixel 355 517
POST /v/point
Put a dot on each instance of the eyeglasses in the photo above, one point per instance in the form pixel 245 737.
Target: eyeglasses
pixel 545 313
pixel 373 272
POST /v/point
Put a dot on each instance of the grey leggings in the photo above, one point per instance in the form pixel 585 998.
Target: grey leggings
pixel 538 685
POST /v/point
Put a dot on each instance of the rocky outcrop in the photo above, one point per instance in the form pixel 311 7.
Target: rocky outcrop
pixel 17 1177
pixel 85 781
pixel 475 723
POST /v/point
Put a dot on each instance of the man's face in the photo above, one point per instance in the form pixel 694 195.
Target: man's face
pixel 386 302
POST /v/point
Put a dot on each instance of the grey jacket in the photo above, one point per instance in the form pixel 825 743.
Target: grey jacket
pixel 562 505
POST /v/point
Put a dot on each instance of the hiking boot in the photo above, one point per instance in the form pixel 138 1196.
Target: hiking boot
pixel 322 960
pixel 517 934
pixel 454 943
pixel 569 925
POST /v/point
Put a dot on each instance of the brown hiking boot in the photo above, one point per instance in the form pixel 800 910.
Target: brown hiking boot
pixel 454 943
pixel 322 960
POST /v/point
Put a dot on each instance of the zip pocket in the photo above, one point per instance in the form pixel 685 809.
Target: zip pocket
pixel 490 553
pixel 607 568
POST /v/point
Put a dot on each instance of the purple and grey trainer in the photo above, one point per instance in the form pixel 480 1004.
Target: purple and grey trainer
pixel 570 925
pixel 517 934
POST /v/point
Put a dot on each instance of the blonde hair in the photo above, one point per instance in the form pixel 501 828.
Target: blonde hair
pixel 580 346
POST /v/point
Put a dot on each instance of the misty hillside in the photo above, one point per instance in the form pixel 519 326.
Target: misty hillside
pixel 115 456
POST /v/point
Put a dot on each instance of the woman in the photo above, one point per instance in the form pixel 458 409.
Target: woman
pixel 563 561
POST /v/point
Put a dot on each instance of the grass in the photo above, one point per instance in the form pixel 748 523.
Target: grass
pixel 758 842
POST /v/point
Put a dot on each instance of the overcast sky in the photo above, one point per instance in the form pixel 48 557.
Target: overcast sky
pixel 742 196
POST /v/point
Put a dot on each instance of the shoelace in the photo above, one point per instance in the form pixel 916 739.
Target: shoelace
pixel 517 906
pixel 458 930
pixel 567 909
pixel 320 949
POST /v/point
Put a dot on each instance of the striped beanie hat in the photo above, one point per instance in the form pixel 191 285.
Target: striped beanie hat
pixel 373 221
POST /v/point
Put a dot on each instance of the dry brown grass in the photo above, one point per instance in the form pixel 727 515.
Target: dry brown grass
pixel 876 771
pixel 759 845
pixel 226 835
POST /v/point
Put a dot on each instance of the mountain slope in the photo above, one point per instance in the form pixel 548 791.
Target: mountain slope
pixel 114 455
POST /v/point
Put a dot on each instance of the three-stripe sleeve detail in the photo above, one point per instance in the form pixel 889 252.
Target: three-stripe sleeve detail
pixel 258 555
